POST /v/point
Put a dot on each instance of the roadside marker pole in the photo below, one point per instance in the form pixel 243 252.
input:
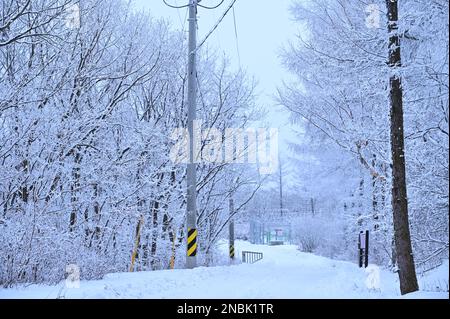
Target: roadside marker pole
pixel 366 250
pixel 363 249
pixel 192 242
pixel 231 230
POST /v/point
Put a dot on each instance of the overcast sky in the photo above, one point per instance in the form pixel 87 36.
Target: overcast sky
pixel 263 27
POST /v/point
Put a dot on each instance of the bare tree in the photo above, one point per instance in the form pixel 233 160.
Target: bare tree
pixel 405 260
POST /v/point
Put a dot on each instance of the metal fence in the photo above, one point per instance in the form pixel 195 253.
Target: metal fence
pixel 250 257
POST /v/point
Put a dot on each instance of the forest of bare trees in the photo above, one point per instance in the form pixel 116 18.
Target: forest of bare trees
pixel 361 80
pixel 86 120
pixel 92 91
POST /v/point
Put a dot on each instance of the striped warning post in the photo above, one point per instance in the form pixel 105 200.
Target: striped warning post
pixel 232 251
pixel 192 242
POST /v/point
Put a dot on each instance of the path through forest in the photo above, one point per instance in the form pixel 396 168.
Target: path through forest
pixel 284 272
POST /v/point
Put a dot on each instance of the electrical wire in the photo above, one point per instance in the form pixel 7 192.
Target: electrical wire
pixel 210 8
pixel 198 4
pixel 185 19
pixel 202 97
pixel 216 25
pixel 175 7
pixel 236 37
pixel 182 21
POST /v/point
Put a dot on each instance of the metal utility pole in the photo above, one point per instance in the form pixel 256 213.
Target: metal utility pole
pixel 191 205
pixel 231 229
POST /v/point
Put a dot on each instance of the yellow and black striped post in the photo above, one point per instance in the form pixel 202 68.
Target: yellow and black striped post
pixel 192 242
pixel 231 251
pixel 231 229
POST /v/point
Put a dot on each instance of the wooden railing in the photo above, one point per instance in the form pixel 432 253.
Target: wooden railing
pixel 250 257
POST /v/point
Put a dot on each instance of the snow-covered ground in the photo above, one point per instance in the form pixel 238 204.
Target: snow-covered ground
pixel 284 272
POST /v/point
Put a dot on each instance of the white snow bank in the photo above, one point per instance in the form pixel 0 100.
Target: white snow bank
pixel 284 272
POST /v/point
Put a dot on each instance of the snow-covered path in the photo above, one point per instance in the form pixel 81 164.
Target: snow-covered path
pixel 283 273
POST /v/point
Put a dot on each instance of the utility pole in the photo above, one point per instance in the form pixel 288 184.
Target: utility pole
pixel 191 178
pixel 231 229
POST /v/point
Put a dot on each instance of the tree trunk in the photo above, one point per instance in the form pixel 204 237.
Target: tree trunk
pixel 74 190
pixel 360 212
pixel 375 194
pixel 407 272
pixel 155 234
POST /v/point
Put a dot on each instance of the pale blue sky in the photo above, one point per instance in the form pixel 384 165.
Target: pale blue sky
pixel 263 27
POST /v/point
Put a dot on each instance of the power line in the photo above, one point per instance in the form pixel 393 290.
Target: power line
pixel 182 24
pixel 236 37
pixel 202 97
pixel 185 19
pixel 175 7
pixel 216 25
pixel 178 14
pixel 215 7
pixel 187 5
